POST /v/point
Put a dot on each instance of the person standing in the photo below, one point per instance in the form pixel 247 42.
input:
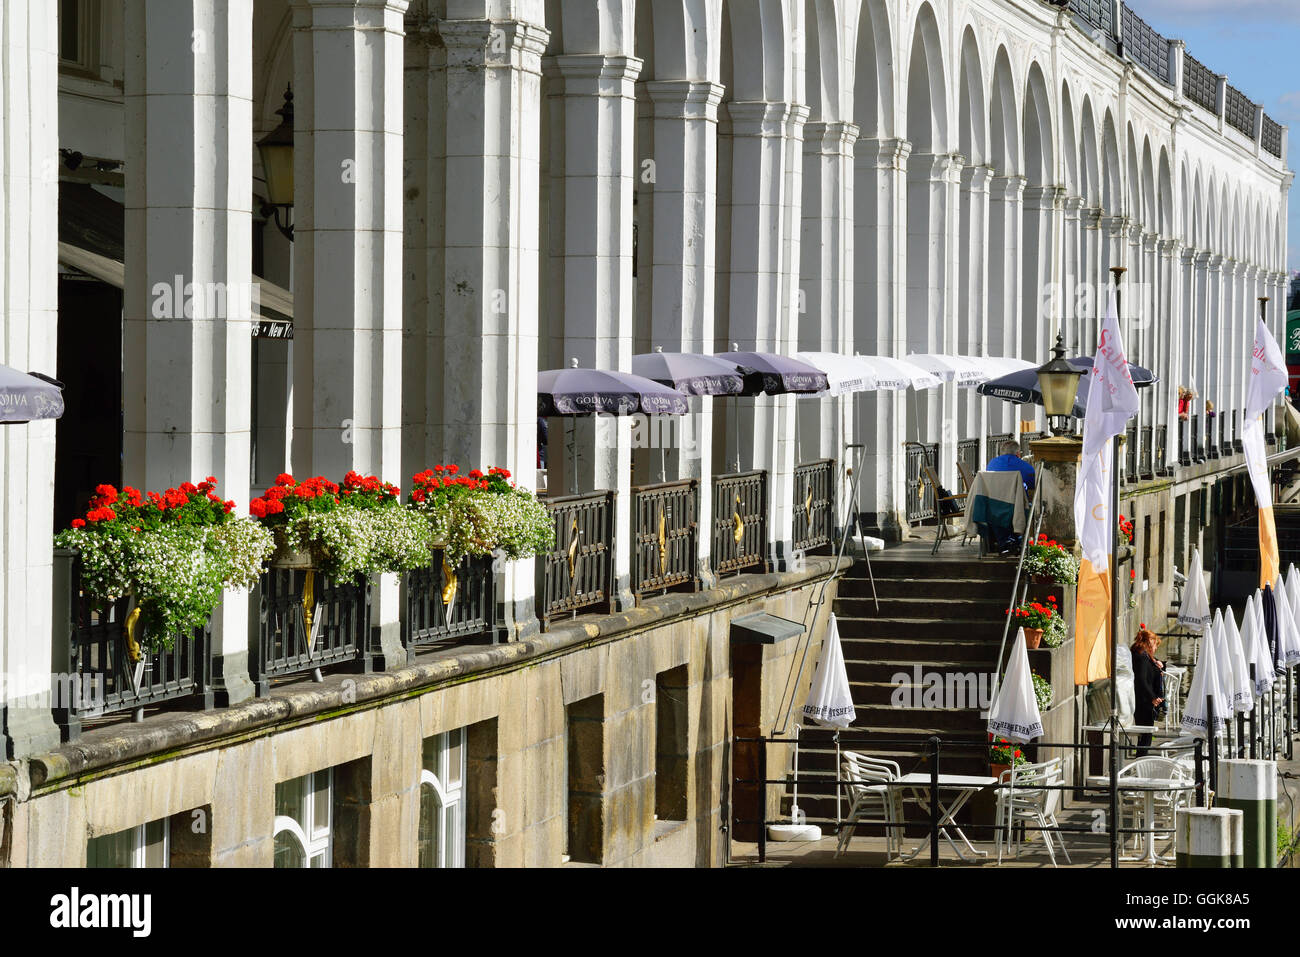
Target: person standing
pixel 1148 684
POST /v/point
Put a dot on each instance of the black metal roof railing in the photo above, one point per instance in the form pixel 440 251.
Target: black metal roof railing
pixel 1272 136
pixel 1239 111
pixel 1099 14
pixel 1145 47
pixel 1200 85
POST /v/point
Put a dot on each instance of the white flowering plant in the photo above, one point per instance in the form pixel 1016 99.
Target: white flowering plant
pixel 479 515
pixel 175 552
pixel 1045 558
pixel 357 528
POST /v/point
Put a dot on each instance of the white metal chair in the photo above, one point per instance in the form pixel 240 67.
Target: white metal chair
pixel 874 799
pixel 1173 704
pixel 1028 797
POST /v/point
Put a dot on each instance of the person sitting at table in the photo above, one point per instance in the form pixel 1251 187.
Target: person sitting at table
pixel 1011 461
pixel 1148 683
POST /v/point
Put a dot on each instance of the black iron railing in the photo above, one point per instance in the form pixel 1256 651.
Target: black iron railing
pixel 1225 432
pixel 1097 14
pixel 1145 47
pixel 1212 436
pixel 1200 85
pixel 1130 454
pixel 577 574
pixel 1161 447
pixel 666 536
pixel 1271 137
pixel 968 454
pixel 993 442
pixel 920 495
pixel 93 672
pixel 1146 453
pixel 739 522
pixel 449 602
pixel 1028 438
pixel 1239 111
pixel 814 506
pixel 1184 443
pixel 307 622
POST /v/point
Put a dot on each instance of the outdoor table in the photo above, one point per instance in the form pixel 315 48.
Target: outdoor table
pixel 1148 788
pixel 966 786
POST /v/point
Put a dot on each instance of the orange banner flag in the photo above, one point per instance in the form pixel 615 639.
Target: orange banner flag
pixel 1092 624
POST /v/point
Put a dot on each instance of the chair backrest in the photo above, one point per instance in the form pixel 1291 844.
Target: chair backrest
pixel 866 760
pixel 1154 767
pixel 967 477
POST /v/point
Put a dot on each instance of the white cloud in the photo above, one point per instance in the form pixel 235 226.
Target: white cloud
pixel 1288 109
pixel 1172 12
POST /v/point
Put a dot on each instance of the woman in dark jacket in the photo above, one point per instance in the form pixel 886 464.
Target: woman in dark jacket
pixel 1148 684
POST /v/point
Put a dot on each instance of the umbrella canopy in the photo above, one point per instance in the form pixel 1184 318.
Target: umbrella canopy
pixel 903 373
pixel 1254 645
pixel 844 374
pixel 598 391
pixel 768 372
pixel 1293 592
pixel 830 700
pixel 1223 664
pixel 1014 713
pixel 1243 696
pixel 689 373
pixel 960 369
pixel 1003 365
pixel 27 396
pixel 1195 610
pixel 1022 387
pixel 1206 687
pixel 1288 635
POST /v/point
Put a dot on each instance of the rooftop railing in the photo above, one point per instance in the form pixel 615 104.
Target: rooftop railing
pixel 1145 47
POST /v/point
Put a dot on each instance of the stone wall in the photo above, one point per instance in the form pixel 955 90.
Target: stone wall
pixel 573 728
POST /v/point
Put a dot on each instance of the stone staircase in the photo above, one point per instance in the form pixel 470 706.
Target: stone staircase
pixel 943 616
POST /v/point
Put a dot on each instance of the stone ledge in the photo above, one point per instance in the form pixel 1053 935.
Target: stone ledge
pixel 172 734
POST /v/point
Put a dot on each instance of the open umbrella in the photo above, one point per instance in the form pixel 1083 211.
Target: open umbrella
pixel 905 374
pixel 26 396
pixel 1195 610
pixel 577 392
pixel 844 374
pixel 774 374
pixel 1014 713
pixel 960 369
pixel 688 373
pixel 1022 387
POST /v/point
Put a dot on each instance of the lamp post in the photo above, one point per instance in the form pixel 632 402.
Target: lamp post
pixel 1058 381
pixel 276 150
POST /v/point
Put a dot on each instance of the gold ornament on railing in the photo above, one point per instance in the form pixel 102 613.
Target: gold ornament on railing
pixel 573 552
pixel 807 504
pixel 663 542
pixel 449 583
pixel 737 523
pixel 133 652
pixel 308 602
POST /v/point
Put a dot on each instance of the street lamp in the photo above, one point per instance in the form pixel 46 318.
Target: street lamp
pixel 1058 381
pixel 276 150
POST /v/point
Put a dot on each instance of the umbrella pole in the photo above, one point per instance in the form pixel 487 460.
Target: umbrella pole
pixel 573 454
pixel 1114 643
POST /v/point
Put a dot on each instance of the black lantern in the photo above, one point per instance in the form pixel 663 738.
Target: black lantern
pixel 276 150
pixel 1058 381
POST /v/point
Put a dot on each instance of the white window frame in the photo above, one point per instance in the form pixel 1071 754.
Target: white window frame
pixel 140 844
pixel 451 853
pixel 89 38
pixel 314 837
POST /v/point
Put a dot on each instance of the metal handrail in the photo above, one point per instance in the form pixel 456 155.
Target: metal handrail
pixel 1031 535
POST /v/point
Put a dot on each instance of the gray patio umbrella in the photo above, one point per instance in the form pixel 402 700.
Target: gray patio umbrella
pixel 1022 387
pixel 769 373
pixel 689 373
pixel 579 392
pixel 27 396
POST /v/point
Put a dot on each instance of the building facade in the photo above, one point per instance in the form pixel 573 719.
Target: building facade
pixel 484 189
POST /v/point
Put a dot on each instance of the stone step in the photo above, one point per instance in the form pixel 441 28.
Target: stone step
pixel 904 654
pixel 919 630
pixel 970 691
pixel 893 587
pixel 883 672
pixel 924 606
pixel 990 569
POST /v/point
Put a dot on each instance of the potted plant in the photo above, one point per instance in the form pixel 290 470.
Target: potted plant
pixel 172 553
pixel 1047 562
pixel 1035 618
pixel 1054 634
pixel 1042 691
pixel 481 514
pixel 1004 755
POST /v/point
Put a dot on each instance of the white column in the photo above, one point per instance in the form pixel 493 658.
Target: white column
pixel 880 195
pixel 1006 223
pixel 1043 204
pixel 187 302
pixel 347 373
pixel 1215 336
pixel 683 211
pixel 972 302
pixel 599 124
pixel 1190 349
pixel 28 341
pixel 1071 256
pixel 1169 316
pixel 1092 304
pixel 482 347
pixel 825 319
pixel 1201 358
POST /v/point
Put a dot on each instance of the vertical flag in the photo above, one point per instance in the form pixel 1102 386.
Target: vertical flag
pixel 1112 401
pixel 1268 376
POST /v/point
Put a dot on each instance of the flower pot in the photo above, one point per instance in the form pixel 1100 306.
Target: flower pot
pixel 287 556
pixel 995 770
pixel 1042 579
pixel 1033 637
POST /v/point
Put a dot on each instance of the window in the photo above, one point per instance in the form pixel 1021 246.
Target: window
pixel 303 815
pixel 586 785
pixel 143 846
pixel 442 801
pixel 671 753
pixel 79 29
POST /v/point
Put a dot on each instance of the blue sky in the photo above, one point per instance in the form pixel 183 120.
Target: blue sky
pixel 1257 44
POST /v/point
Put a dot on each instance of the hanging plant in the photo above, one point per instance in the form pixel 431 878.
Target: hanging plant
pixel 480 515
pixel 175 552
pixel 1047 559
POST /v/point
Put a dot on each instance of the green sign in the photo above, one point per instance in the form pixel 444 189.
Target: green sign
pixel 1293 337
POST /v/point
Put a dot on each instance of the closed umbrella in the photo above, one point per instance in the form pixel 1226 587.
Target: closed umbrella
pixel 1014 713
pixel 830 699
pixel 1195 609
pixel 26 396
pixel 1269 617
pixel 1243 696
pixel 1255 647
pixel 1293 592
pixel 578 392
pixel 1288 635
pixel 1206 687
